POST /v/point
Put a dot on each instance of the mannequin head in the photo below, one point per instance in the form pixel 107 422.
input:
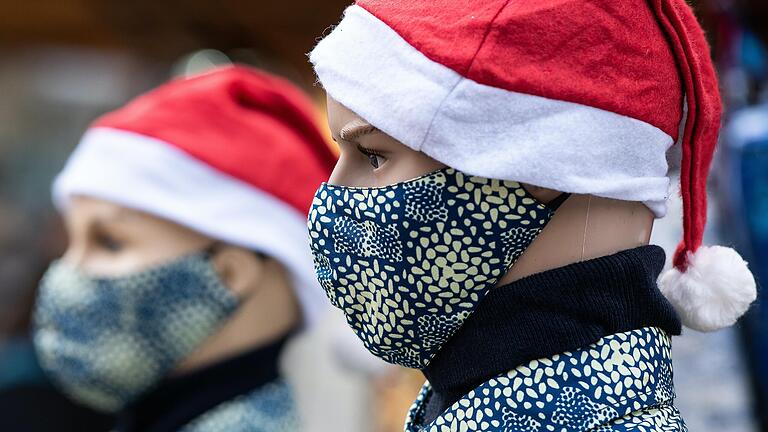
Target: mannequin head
pixel 111 240
pixel 496 97
pixel 584 227
pixel 191 278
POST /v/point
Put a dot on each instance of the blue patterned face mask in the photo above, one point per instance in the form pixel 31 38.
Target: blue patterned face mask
pixel 105 341
pixel 408 263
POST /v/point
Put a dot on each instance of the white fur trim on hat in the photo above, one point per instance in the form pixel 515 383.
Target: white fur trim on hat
pixel 150 175
pixel 713 292
pixel 488 131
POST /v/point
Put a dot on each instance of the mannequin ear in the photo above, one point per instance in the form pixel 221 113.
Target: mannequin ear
pixel 240 270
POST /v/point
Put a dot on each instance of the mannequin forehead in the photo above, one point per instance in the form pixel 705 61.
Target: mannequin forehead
pixel 341 118
pixel 352 131
pixel 144 239
pixel 85 209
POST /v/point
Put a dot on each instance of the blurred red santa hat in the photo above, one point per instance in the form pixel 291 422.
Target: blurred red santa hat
pixel 581 96
pixel 233 153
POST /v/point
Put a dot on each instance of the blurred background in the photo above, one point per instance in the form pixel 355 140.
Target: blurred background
pixel 64 62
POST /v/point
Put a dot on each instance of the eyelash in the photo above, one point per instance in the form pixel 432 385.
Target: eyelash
pixel 371 154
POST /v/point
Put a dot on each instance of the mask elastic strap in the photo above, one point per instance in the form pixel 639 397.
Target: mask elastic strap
pixel 210 250
pixel 558 201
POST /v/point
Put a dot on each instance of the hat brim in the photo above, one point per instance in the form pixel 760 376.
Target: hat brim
pixel 487 131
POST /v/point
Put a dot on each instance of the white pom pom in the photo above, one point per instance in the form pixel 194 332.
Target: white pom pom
pixel 715 290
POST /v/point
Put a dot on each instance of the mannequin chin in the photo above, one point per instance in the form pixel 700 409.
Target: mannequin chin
pixel 111 240
pixel 583 228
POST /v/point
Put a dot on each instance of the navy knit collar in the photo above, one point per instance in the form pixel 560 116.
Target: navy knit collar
pixel 550 313
pixel 178 400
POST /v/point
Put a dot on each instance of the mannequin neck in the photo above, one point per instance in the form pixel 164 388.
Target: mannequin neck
pixel 583 228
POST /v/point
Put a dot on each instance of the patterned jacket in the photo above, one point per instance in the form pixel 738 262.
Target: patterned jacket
pixel 623 382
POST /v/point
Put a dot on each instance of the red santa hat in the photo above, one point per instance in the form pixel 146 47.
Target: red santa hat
pixel 581 96
pixel 234 154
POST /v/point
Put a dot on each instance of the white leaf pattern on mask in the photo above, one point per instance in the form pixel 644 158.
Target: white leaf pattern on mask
pixel 408 263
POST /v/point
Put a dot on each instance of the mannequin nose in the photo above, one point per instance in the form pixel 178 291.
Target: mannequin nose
pixel 351 172
pixel 341 173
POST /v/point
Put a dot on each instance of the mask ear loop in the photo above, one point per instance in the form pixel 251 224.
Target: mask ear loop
pixel 211 250
pixel 558 201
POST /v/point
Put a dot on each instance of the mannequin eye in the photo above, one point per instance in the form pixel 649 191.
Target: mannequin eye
pixel 107 242
pixel 376 159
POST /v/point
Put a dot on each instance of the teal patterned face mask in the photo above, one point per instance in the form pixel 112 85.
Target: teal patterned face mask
pixel 105 341
pixel 408 263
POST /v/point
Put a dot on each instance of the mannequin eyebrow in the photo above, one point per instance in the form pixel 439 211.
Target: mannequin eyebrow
pixel 356 129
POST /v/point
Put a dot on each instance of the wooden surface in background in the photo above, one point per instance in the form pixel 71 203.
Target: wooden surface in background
pixel 167 29
pixel 52 21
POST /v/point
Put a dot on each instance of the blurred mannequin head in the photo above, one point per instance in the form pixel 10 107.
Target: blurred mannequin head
pixel 107 239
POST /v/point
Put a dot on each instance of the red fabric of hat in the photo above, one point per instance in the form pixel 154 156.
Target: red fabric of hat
pixel 251 125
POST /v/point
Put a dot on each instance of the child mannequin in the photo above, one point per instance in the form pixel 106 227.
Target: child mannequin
pixel 269 307
pixel 186 271
pixel 501 164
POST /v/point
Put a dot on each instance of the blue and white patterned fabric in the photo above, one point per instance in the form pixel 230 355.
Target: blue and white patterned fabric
pixel 408 263
pixel 270 408
pixel 623 382
pixel 105 341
